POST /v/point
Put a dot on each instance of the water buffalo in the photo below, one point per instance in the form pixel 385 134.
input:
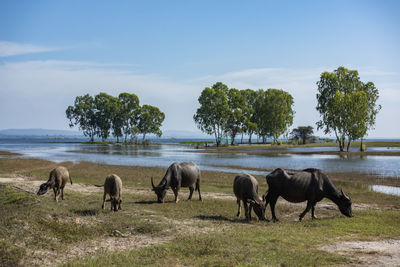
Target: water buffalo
pixel 245 188
pixel 179 174
pixel 57 179
pixel 310 185
pixel 113 187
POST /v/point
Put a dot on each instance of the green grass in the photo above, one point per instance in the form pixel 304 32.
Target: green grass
pixel 198 233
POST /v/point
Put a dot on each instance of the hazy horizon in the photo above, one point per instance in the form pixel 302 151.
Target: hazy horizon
pixel 168 52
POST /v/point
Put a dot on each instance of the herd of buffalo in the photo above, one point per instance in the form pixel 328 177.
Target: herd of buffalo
pixel 311 185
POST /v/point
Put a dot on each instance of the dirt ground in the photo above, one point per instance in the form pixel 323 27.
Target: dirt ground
pixel 369 253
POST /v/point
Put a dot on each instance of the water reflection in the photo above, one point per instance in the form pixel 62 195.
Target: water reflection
pixel 165 154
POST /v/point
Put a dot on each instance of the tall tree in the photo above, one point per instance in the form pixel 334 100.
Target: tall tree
pixel 105 112
pixel 236 113
pixel 250 125
pixel 129 113
pixel 150 121
pixel 211 116
pixel 274 111
pixel 302 133
pixel 82 113
pixel 346 104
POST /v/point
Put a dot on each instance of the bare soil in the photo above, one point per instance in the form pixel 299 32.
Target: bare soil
pixel 369 253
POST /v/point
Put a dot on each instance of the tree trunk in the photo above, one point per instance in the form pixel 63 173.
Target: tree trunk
pixel 241 141
pixel 348 145
pixel 144 137
pixel 250 138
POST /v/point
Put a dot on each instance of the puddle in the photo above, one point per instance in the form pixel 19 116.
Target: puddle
pixel 390 190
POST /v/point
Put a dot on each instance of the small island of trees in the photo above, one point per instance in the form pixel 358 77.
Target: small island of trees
pixel 121 116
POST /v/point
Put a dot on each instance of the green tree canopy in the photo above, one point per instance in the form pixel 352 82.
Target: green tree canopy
pixel 274 112
pixel 302 133
pixel 150 121
pixel 82 114
pixel 129 113
pixel 347 105
pixel 211 116
pixel 250 125
pixel 236 113
pixel 106 106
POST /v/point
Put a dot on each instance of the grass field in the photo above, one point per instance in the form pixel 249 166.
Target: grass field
pixel 35 230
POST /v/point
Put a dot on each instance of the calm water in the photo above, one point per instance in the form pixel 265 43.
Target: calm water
pixel 164 154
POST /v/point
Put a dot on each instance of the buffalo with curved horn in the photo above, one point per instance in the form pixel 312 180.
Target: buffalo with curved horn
pixel 179 174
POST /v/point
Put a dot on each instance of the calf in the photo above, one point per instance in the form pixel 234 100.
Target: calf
pixel 245 188
pixel 57 179
pixel 112 187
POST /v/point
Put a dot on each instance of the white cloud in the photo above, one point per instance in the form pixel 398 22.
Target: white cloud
pixel 35 94
pixel 12 49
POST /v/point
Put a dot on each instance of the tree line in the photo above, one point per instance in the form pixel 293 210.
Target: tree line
pixel 225 112
pixel 347 107
pixel 121 116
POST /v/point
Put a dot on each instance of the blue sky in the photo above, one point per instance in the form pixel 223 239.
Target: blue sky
pixel 166 52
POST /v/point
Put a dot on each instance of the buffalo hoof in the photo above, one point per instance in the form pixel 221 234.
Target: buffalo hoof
pixel 275 220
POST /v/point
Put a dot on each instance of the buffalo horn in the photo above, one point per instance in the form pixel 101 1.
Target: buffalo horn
pixel 152 184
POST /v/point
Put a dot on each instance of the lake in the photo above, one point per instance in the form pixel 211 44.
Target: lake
pixel 164 154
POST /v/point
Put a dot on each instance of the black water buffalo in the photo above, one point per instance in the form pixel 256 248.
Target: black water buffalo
pixel 179 174
pixel 245 188
pixel 310 185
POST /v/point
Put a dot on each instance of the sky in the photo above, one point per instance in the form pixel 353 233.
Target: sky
pixel 167 52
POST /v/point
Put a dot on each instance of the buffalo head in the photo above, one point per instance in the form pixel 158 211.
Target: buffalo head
pixel 345 204
pixel 43 189
pixel 115 203
pixel 160 191
pixel 259 209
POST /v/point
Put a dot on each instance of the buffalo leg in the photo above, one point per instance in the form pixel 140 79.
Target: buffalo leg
pixel 246 210
pixel 239 207
pixel 55 194
pixel 191 189
pixel 176 190
pixel 104 200
pixel 272 203
pixel 250 209
pixel 198 189
pixel 62 193
pixel 309 206
pixel 313 212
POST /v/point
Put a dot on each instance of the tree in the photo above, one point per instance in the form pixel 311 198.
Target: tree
pixel 150 121
pixel 302 132
pixel 105 113
pixel 129 113
pixel 82 113
pixel 250 126
pixel 274 113
pixel 346 104
pixel 211 116
pixel 236 111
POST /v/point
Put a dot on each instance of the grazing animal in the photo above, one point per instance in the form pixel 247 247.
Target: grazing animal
pixel 113 187
pixel 245 188
pixel 179 174
pixel 57 179
pixel 310 185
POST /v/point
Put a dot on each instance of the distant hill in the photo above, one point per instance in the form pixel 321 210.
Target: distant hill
pixel 39 132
